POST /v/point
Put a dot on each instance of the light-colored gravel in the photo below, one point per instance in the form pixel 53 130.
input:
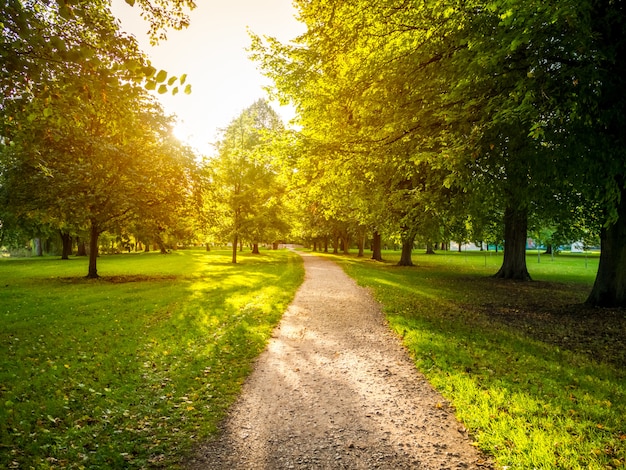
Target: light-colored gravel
pixel 336 389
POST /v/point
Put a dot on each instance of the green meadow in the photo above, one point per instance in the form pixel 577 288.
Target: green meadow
pixel 136 368
pixel 537 378
pixel 130 370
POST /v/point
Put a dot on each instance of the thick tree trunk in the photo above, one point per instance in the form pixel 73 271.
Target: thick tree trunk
pixel 345 244
pixel 609 288
pixel 255 248
pixel 66 242
pixel 335 245
pixel 377 252
pixel 326 244
pixel 407 251
pixel 515 230
pixel 548 249
pixel 235 243
pixel 361 244
pixel 429 249
pixel 93 251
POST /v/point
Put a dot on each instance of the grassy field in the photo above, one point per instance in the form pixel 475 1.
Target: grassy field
pixel 129 371
pixel 537 378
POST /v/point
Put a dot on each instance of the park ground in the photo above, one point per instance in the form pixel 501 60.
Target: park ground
pixel 138 368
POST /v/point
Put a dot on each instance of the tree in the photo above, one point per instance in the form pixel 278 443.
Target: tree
pixel 245 193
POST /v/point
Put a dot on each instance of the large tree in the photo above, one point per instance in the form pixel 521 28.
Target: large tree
pixel 245 193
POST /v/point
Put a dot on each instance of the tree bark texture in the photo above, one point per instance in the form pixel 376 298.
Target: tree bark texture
pixel 515 230
pixel 66 242
pixel 235 240
pixel 609 288
pixel 255 248
pixel 407 250
pixel 94 234
pixel 377 253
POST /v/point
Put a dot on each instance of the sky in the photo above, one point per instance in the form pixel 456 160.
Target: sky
pixel 211 51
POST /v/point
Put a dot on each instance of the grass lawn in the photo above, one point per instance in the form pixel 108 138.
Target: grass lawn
pixel 538 379
pixel 129 371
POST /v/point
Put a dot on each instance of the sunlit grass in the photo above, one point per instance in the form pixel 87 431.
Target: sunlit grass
pixel 128 371
pixel 528 403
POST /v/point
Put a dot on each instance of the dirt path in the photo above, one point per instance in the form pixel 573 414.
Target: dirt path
pixel 336 389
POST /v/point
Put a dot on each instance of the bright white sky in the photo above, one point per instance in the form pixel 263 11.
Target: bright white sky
pixel 211 51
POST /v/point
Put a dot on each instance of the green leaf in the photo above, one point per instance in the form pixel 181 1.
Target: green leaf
pixel 171 81
pixel 183 78
pixel 175 91
pixel 161 76
pixel 188 90
pixel 162 89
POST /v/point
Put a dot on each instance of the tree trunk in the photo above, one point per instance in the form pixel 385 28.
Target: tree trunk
pixel 208 246
pixel 255 248
pixel 407 250
pixel 377 253
pixel 609 288
pixel 326 244
pixel 345 240
pixel 335 245
pixel 235 243
pixel 361 242
pixel 38 247
pixel 429 249
pixel 515 230
pixel 81 249
pixel 93 250
pixel 66 241
pixel 461 247
pixel 548 249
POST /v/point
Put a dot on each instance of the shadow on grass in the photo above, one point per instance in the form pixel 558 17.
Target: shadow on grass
pixel 529 402
pixel 129 370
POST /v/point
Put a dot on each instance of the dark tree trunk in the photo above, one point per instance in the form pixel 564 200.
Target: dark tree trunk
pixel 407 251
pixel 609 288
pixel 255 248
pixel 66 241
pixel 235 243
pixel 377 252
pixel 548 249
pixel 429 249
pixel 275 246
pixel 515 230
pixel 208 247
pixel 93 250
pixel 81 248
pixel 335 245
pixel 345 242
pixel 461 247
pixel 326 244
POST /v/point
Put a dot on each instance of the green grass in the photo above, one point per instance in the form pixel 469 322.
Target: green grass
pixel 529 403
pixel 131 370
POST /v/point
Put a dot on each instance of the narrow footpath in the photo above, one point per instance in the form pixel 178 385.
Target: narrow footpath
pixel 335 389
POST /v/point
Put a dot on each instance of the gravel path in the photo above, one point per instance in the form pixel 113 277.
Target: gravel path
pixel 335 389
